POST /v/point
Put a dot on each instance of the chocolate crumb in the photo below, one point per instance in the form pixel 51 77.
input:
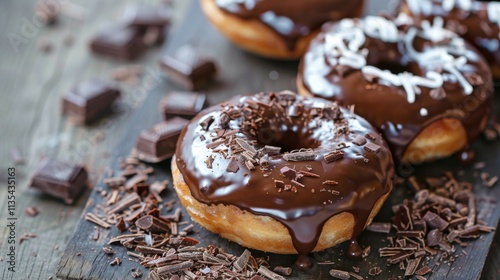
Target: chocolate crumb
pixel 31 211
pixel 288 172
pixel 374 271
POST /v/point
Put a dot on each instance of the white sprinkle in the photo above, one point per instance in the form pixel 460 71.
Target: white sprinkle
pixel 423 112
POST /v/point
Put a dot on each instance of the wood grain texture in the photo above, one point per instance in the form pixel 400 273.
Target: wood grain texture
pixel 31 84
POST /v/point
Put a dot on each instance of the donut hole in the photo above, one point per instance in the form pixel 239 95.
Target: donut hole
pixel 394 67
pixel 288 139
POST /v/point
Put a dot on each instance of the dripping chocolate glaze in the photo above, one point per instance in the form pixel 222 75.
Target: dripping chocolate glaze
pixel 473 25
pixel 363 176
pixel 293 19
pixel 387 107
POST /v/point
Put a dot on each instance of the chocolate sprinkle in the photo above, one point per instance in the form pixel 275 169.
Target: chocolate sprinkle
pixel 333 156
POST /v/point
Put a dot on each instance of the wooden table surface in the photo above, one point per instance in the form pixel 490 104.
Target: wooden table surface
pixel 31 84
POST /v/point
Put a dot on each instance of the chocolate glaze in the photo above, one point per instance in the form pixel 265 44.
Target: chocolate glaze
pixel 293 19
pixel 386 106
pixel 473 25
pixel 362 176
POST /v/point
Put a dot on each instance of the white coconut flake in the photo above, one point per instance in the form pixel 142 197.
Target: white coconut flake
pixel 423 112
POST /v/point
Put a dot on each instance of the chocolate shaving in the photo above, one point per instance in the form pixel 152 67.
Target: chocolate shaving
pixel 209 161
pixel 333 156
pixel 301 155
pixel 272 150
pixel 298 184
pixel 379 227
pixel 242 261
pixel 330 182
pixel 269 274
pixel 205 124
pixel 339 274
pixel 282 270
pixel 173 268
pixel 233 165
pixel 264 161
pixel 246 146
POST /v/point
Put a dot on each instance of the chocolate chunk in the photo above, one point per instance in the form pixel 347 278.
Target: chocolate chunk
pixel 153 224
pixel 158 143
pixel 119 41
pixel 146 15
pixel 89 100
pixel 272 150
pixel 182 104
pixel 279 184
pixel 188 68
pixel 283 270
pixel 372 147
pixel 333 156
pixel 60 179
pixel 359 140
pixel 288 172
pixel 435 221
pixel 233 165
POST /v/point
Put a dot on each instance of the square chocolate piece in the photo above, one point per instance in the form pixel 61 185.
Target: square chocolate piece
pixel 188 68
pixel 184 104
pixel 147 15
pixel 89 100
pixel 60 179
pixel 158 143
pixel 119 41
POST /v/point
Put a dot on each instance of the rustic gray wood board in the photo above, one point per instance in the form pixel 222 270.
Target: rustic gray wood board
pixel 245 73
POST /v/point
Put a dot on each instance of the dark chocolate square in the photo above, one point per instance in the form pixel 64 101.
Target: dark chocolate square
pixel 158 143
pixel 119 41
pixel 182 103
pixel 59 179
pixel 147 15
pixel 89 100
pixel 188 68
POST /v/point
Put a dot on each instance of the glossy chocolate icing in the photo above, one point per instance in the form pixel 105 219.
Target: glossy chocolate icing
pixel 363 176
pixel 386 106
pixel 472 24
pixel 292 19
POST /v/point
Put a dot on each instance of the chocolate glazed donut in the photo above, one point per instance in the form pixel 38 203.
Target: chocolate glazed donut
pixel 478 22
pixel 282 173
pixel 276 28
pixel 425 88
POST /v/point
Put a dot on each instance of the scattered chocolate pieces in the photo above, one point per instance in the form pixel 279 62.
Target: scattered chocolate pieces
pixel 188 68
pixel 89 100
pixel 158 143
pixel 431 223
pixel 60 179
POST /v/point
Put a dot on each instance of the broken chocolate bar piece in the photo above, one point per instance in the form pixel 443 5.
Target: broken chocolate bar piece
pixel 60 179
pixel 188 68
pixel 119 41
pixel 182 104
pixel 147 15
pixel 158 143
pixel 89 100
pixel 152 20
